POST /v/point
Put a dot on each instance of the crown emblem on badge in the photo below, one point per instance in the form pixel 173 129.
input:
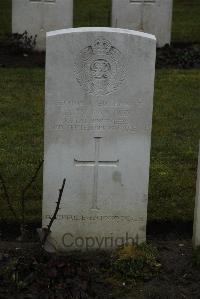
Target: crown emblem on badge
pixel 101 46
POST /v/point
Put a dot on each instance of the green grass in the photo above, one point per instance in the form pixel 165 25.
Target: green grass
pixel 176 130
pixel 5 18
pixel 186 17
pixel 21 132
pixel 92 13
pixel 186 21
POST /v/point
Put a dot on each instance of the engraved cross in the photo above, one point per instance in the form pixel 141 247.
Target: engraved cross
pixel 43 2
pixel 96 164
pixel 143 2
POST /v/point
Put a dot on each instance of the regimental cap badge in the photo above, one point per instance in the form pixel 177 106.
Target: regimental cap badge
pixel 100 68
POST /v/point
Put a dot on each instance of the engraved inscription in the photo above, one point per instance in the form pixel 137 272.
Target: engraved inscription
pixel 96 163
pixel 100 68
pixel 97 218
pixel 100 115
pixel 77 116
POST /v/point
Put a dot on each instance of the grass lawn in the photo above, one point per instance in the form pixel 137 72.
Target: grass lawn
pixel 5 18
pixel 186 17
pixel 21 131
pixel 186 21
pixel 176 130
pixel 92 13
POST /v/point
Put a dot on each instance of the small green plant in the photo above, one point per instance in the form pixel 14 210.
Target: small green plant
pixel 17 271
pixel 7 273
pixel 23 42
pixel 196 257
pixel 135 262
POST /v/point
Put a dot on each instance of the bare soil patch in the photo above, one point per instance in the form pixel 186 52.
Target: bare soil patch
pixel 37 274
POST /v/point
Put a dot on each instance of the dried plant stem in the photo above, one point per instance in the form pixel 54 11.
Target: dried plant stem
pixel 48 229
pixel 7 197
pixel 25 190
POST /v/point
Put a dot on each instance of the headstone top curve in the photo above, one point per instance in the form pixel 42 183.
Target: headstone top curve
pixel 100 29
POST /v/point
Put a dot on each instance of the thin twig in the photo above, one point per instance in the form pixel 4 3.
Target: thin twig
pixel 26 188
pixel 48 229
pixel 7 197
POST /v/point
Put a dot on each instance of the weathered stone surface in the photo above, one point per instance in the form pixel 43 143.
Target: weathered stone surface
pixel 40 16
pixel 99 100
pixel 152 16
pixel 196 230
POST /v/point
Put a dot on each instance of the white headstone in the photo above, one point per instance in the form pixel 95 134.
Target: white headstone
pixel 40 16
pixel 152 16
pixel 196 229
pixel 99 100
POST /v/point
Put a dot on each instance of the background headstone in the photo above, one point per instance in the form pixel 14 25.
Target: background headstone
pixel 40 16
pixel 152 16
pixel 99 100
pixel 196 229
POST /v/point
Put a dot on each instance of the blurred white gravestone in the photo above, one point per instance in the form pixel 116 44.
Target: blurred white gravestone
pixel 40 16
pixel 152 16
pixel 98 115
pixel 196 229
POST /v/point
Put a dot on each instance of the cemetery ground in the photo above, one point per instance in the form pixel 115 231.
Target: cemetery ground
pixel 174 153
pixel 26 270
pixel 175 137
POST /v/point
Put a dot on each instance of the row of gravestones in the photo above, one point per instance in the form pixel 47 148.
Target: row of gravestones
pixel 40 16
pixel 98 117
